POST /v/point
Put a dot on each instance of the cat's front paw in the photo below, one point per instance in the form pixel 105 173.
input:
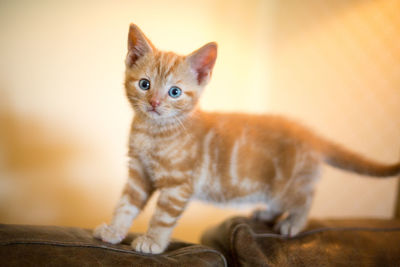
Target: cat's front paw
pixel 108 234
pixel 147 244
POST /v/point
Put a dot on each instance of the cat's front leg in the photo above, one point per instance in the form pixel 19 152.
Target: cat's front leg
pixel 116 231
pixel 170 205
pixel 134 197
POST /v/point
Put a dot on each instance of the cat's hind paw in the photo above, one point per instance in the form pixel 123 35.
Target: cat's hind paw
pixel 108 234
pixel 147 244
pixel 288 227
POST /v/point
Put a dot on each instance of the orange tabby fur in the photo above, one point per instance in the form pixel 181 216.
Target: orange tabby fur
pixel 186 153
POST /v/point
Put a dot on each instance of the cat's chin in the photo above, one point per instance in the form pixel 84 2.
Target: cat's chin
pixel 161 118
pixel 155 115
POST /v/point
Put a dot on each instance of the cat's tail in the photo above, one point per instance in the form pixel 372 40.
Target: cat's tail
pixel 338 156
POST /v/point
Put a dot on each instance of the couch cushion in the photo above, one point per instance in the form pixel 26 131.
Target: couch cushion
pixel 369 242
pixel 22 245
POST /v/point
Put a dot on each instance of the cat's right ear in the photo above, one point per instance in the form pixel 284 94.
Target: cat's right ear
pixel 138 45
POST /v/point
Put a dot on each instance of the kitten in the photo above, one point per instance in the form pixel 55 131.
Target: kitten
pixel 189 154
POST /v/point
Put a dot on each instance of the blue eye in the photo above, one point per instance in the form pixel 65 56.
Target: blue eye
pixel 175 92
pixel 144 84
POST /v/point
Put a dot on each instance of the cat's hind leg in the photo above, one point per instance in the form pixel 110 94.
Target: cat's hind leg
pixel 296 217
pixel 297 195
pixel 269 214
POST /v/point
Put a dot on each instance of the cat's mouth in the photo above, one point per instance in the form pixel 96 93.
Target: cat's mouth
pixel 153 110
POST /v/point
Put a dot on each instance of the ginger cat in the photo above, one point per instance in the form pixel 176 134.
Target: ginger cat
pixel 189 154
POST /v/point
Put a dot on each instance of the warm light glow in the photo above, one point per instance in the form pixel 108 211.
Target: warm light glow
pixel 64 119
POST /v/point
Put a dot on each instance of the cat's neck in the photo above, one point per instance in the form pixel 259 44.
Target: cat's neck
pixel 166 126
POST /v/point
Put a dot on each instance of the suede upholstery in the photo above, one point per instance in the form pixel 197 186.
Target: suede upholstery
pixel 22 245
pixel 246 242
pixel 243 242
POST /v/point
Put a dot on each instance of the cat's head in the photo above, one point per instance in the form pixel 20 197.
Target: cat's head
pixel 161 85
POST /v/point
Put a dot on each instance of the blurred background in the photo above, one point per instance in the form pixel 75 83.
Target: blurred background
pixel 333 65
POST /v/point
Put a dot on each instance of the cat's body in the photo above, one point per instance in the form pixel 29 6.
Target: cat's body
pixel 229 157
pixel 225 158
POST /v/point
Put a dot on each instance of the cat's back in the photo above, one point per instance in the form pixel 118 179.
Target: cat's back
pixel 257 126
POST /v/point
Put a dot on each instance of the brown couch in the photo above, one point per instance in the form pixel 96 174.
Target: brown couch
pixel 368 242
pixel 64 246
pixel 236 242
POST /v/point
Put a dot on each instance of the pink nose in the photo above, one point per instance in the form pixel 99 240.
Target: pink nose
pixel 154 103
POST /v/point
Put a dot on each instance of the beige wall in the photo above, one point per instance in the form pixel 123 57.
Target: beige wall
pixel 333 65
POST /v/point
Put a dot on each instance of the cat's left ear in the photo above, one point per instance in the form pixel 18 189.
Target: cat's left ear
pixel 138 45
pixel 202 62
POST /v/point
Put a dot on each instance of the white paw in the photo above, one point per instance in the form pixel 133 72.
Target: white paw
pixel 288 228
pixel 108 234
pixel 146 244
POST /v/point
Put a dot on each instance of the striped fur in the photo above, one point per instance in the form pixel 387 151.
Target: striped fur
pixel 222 158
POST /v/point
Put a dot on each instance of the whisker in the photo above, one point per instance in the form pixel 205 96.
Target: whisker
pixel 180 123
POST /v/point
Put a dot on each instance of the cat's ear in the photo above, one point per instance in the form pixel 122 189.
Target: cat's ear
pixel 202 62
pixel 138 45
